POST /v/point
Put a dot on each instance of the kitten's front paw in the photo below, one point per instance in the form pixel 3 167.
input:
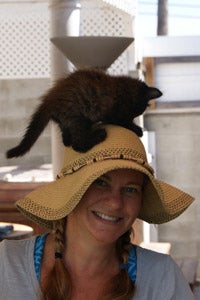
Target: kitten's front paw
pixel 89 141
pixel 66 137
pixel 138 130
pixel 98 136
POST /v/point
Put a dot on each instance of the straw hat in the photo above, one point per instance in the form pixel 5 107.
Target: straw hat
pixel 121 149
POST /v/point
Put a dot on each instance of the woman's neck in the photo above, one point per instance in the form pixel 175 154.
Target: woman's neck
pixel 90 257
pixel 85 253
pixel 91 267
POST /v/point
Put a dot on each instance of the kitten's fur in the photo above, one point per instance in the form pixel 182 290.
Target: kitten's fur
pixel 79 102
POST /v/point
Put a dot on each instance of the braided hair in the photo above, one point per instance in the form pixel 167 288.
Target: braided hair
pixel 59 283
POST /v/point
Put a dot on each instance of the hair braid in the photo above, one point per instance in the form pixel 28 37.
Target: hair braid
pixel 121 287
pixel 59 281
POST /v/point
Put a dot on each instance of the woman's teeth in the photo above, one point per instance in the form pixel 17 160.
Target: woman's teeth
pixel 105 217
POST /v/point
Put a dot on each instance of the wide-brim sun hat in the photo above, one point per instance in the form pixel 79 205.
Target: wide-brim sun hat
pixel 122 149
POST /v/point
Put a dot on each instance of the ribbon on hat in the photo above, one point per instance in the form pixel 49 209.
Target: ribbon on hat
pixel 77 165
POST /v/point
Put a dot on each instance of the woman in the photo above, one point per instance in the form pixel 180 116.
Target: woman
pixel 91 208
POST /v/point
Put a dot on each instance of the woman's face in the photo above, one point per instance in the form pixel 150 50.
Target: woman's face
pixel 109 207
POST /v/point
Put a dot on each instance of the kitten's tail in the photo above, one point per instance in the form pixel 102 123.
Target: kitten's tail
pixel 37 124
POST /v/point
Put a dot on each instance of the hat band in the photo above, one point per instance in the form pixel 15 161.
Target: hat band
pixel 82 163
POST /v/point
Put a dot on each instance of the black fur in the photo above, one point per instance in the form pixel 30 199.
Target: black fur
pixel 81 102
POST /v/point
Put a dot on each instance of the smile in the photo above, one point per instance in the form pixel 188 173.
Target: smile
pixel 106 217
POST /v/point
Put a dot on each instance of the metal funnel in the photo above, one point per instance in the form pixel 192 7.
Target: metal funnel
pixel 92 51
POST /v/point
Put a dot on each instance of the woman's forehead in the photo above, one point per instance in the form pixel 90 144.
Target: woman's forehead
pixel 124 173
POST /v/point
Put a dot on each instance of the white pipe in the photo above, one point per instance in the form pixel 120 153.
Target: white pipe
pixel 64 21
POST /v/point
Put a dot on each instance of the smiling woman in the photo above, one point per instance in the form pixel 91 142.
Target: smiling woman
pixel 91 208
pixel 109 207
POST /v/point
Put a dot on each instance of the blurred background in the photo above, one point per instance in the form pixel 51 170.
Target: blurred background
pixel 165 53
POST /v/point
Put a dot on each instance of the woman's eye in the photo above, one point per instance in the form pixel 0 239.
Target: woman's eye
pixel 100 182
pixel 130 190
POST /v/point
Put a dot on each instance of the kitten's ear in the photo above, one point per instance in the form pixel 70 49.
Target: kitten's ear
pixel 153 93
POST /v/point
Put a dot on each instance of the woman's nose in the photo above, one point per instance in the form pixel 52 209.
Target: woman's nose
pixel 115 200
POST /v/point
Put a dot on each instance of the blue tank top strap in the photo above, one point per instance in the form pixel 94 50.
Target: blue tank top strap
pixel 38 252
pixel 131 265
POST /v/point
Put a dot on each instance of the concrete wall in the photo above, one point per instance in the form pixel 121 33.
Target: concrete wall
pixel 18 99
pixel 178 163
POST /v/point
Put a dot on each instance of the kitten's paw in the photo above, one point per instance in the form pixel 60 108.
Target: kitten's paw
pixel 138 130
pixel 66 137
pixel 98 136
pixel 87 142
pixel 66 142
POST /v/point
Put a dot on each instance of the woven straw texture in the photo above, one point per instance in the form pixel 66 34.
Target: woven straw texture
pixel 121 149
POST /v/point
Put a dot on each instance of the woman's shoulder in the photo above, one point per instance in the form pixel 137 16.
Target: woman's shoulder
pixel 11 246
pixel 151 255
pixel 141 261
pixel 12 251
pixel 153 261
pixel 158 274
pixel 17 265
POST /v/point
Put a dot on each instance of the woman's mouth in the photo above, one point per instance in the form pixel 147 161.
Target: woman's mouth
pixel 106 217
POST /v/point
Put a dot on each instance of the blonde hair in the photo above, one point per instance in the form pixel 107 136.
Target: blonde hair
pixel 59 283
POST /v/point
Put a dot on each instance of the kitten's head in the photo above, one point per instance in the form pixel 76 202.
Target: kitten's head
pixel 147 93
pixel 135 94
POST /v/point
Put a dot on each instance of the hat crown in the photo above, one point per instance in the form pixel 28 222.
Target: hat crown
pixel 119 141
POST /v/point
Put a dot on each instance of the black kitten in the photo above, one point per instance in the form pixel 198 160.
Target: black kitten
pixel 79 102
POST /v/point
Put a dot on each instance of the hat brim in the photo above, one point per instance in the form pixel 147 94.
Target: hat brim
pixel 161 202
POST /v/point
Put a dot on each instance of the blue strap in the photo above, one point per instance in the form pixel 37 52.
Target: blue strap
pixel 131 265
pixel 38 252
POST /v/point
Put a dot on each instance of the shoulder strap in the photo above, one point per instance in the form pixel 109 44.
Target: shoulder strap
pixel 38 252
pixel 131 265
